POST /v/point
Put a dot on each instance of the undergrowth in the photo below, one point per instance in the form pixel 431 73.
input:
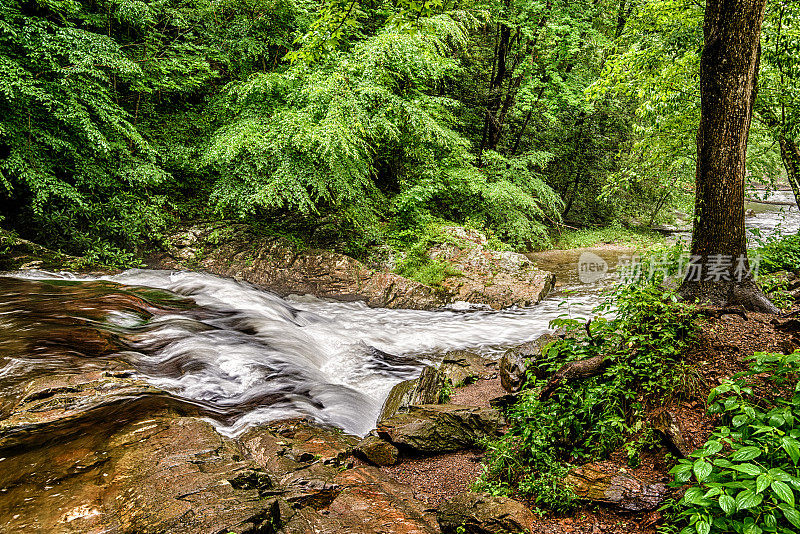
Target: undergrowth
pixel 588 419
pixel 746 478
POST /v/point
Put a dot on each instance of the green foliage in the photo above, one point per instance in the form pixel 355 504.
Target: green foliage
pixel 779 255
pixel 617 235
pixel 590 418
pixel 745 479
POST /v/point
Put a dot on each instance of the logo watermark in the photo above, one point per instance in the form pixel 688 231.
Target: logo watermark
pixel 635 268
pixel 591 268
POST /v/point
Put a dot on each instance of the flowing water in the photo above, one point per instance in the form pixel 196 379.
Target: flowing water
pixel 240 355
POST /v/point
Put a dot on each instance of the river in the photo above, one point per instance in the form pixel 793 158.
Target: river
pixel 245 356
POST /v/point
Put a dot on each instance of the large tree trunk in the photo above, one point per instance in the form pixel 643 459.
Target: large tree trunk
pixel 728 75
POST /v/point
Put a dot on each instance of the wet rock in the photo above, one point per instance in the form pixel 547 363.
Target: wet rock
pixel 481 513
pixel 162 474
pixel 62 404
pixel 307 521
pixel 433 428
pixel 462 367
pixel 274 263
pixel 513 365
pixel 285 446
pixel 377 451
pixel 372 503
pixel 497 279
pixel 427 389
pixel 311 485
pixel 598 484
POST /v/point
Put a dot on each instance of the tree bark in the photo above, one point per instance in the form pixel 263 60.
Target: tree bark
pixel 728 75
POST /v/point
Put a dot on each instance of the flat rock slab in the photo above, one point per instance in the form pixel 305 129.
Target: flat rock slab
pixel 615 487
pixel 481 513
pixel 432 428
pixel 372 503
pixel 163 474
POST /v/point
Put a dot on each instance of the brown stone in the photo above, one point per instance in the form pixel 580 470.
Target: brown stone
pixel 480 513
pixel 377 451
pixel 432 428
pixel 615 487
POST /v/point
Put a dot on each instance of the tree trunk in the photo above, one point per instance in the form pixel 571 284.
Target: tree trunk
pixel 790 155
pixel 728 74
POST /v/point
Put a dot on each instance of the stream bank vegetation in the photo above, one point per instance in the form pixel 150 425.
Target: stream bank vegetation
pixel 728 380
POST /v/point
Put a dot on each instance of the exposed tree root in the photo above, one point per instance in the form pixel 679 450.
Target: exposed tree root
pixel 727 294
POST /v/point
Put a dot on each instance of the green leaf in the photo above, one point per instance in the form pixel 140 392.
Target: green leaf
pixel 791 514
pixel 783 491
pixel 747 499
pixel 727 503
pixel 745 453
pixel 702 469
pixel 702 526
pixel 792 448
pixel 763 482
pixel 749 469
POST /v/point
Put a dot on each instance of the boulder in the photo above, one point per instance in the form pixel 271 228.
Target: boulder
pixel 481 513
pixel 433 428
pixel 494 278
pixel 276 264
pixel 615 487
pixel 427 389
pixel 377 451
pixel 513 365
pixel 463 367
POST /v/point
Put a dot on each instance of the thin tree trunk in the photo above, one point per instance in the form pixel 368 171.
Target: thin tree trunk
pixel 790 154
pixel 728 76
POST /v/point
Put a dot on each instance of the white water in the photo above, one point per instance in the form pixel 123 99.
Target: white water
pixel 260 357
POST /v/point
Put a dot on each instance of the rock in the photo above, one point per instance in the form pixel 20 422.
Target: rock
pixel 285 446
pixel 63 404
pixel 497 279
pixel 481 513
pixel 310 485
pixel 160 474
pixel 427 389
pixel 462 367
pixel 307 521
pixel 377 451
pixel 433 428
pixel 276 264
pixel 667 424
pixel 372 503
pixel 595 483
pixel 513 365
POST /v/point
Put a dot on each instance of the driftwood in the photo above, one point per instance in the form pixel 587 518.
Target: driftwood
pixel 594 483
pixel 578 369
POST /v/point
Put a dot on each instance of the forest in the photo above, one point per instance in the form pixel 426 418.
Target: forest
pixel 356 124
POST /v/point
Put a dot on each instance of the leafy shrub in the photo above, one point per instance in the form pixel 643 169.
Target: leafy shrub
pixel 590 418
pixel 746 478
pixel 779 254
